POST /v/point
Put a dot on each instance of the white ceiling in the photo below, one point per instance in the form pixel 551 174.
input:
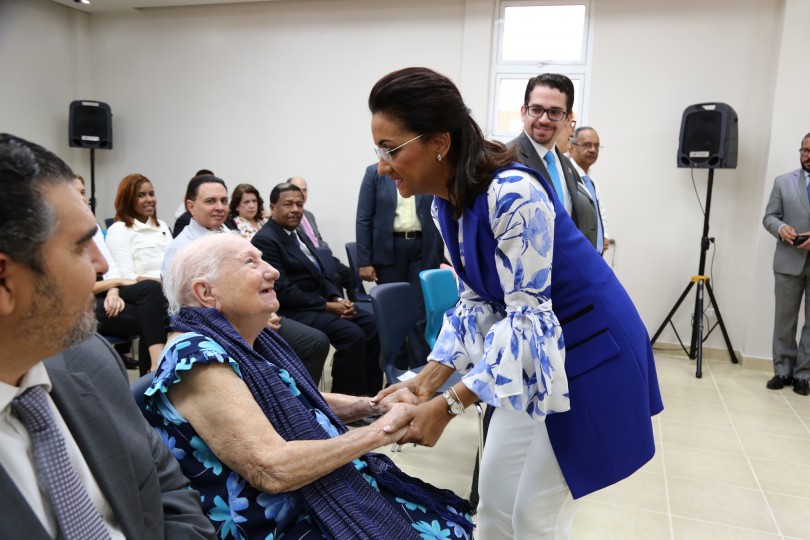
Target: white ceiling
pixel 108 6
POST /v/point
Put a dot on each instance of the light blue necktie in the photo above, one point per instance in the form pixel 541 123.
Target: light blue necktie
pixel 600 233
pixel 551 165
pixel 75 513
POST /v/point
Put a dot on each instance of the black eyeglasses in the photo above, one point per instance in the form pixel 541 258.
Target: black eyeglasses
pixel 804 151
pixel 555 115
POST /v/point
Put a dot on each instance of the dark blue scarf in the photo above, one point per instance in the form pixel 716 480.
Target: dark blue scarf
pixel 343 503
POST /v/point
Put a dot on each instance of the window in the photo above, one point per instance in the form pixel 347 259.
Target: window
pixel 536 37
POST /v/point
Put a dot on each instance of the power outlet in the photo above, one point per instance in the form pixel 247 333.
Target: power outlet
pixel 711 314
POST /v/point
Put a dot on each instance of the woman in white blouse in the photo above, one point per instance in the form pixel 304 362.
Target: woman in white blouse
pixel 138 239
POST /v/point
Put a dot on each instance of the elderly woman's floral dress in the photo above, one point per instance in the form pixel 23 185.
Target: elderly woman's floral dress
pixel 237 509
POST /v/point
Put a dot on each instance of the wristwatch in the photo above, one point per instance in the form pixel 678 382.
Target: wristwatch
pixel 454 406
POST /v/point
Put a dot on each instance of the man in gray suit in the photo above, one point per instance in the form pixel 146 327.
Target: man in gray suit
pixel 70 420
pixel 547 106
pixel 788 212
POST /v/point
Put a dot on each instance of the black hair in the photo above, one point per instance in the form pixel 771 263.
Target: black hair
pixel 552 80
pixel 427 102
pixel 27 221
pixel 195 183
pixel 281 188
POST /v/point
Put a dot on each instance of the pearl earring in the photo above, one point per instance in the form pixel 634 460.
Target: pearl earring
pixel 438 157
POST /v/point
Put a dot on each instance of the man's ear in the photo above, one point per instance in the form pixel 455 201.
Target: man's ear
pixel 189 204
pixel 9 272
pixel 204 293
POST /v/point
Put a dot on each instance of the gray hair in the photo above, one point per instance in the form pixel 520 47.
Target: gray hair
pixel 199 261
pixel 575 136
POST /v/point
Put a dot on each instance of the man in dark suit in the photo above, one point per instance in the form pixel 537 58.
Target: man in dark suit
pixel 342 276
pixel 396 239
pixel 71 420
pixel 309 296
pixel 787 217
pixel 547 105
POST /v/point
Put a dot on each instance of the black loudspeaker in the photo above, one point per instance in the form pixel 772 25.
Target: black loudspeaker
pixel 708 137
pixel 90 125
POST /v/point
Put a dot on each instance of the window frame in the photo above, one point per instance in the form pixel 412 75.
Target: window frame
pixel 577 70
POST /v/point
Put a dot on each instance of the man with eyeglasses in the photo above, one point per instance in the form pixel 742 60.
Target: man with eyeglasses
pixel 787 213
pixel 547 106
pixel 584 149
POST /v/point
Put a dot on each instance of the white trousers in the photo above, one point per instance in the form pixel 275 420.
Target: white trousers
pixel 523 495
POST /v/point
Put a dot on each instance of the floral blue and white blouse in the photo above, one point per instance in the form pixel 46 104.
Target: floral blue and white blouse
pixel 512 355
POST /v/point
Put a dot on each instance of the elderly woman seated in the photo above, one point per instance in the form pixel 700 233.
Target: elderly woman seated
pixel 269 455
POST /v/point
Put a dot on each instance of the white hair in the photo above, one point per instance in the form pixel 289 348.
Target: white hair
pixel 199 261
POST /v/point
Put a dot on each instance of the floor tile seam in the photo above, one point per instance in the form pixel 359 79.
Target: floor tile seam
pixel 701 424
pixel 628 507
pixel 708 522
pixel 666 480
pixel 703 449
pixel 792 409
pixel 748 461
pixel 788 495
pixel 771 434
pixel 781 462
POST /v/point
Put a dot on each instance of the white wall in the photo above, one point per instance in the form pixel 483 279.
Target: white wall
pixel 260 92
pixel 652 60
pixel 43 66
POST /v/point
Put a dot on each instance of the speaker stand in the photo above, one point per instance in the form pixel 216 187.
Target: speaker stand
pixel 696 346
pixel 93 180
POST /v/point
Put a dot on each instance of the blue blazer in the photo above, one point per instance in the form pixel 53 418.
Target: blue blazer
pixel 607 435
pixel 374 231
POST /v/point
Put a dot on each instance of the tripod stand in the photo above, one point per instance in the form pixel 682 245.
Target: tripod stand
pixel 696 346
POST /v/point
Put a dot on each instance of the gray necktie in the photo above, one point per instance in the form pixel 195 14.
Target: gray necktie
pixel 75 513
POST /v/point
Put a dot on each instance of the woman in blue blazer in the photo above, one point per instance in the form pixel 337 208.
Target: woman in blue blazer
pixel 544 332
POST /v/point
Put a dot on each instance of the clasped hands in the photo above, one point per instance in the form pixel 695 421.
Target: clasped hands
pixel 421 423
pixel 341 306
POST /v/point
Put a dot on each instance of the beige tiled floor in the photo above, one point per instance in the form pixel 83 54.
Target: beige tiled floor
pixel 732 462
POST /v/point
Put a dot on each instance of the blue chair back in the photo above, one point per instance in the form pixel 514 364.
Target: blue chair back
pixel 139 387
pixel 440 291
pixel 395 313
pixel 362 298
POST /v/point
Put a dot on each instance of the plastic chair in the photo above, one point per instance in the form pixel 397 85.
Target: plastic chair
pixel 362 298
pixel 440 291
pixel 396 312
